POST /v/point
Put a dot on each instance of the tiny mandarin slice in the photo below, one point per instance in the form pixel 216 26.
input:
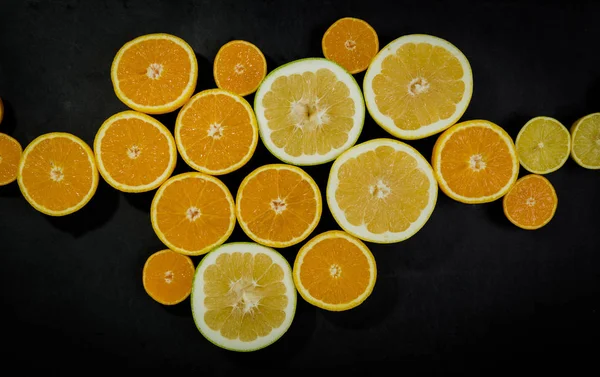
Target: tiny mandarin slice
pixel 57 173
pixel 192 213
pixel 216 132
pixel 134 152
pixel 155 73
pixel 381 191
pixel 1 110
pixel 352 43
pixel 243 296
pixel 335 271
pixel 10 154
pixel 585 145
pixel 475 162
pixel 417 86
pixel 309 111
pixel 239 67
pixel 168 276
pixel 531 202
pixel 278 205
pixel 543 145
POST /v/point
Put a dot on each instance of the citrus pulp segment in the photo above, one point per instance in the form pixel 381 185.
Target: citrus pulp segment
pixel 239 67
pixel 351 43
pixel 531 202
pixel 585 145
pixel 10 154
pixel 168 276
pixel 543 145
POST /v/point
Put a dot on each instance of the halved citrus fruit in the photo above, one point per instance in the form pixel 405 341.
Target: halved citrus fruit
pixel 531 202
pixel 1 110
pixel 57 173
pixel 585 145
pixel 475 162
pixel 417 86
pixel 10 154
pixel 543 145
pixel 168 276
pixel 239 67
pixel 243 296
pixel 309 111
pixel 381 191
pixel 155 73
pixel 134 152
pixel 216 132
pixel 192 213
pixel 278 205
pixel 352 43
pixel 335 271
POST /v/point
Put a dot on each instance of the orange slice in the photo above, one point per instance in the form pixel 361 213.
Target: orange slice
pixel 352 43
pixel 239 67
pixel 10 154
pixel 155 73
pixel 278 205
pixel 335 271
pixel 134 152
pixel 192 213
pixel 531 202
pixel 475 162
pixel 57 173
pixel 216 132
pixel 168 277
pixel 1 110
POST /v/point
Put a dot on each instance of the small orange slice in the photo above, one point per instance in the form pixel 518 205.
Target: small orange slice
pixel 475 162
pixel 168 277
pixel 352 43
pixel 155 73
pixel 134 152
pixel 335 271
pixel 216 132
pixel 57 173
pixel 531 202
pixel 10 153
pixel 239 67
pixel 1 110
pixel 278 205
pixel 192 213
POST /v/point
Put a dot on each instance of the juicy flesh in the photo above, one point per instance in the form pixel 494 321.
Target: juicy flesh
pixel 240 68
pixel 383 189
pixel 310 113
pixel 419 85
pixel 168 276
pixel 351 43
pixel 58 174
pixel 531 202
pixel 278 205
pixel 586 144
pixel 245 296
pixel 543 145
pixel 135 152
pixel 154 72
pixel 335 271
pixel 193 213
pixel 476 162
pixel 10 153
pixel 216 132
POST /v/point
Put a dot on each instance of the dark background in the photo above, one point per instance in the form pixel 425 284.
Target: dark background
pixel 470 293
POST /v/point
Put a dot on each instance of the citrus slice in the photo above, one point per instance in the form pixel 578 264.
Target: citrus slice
pixel 192 213
pixel 543 145
pixel 239 67
pixel 309 111
pixel 1 110
pixel 10 154
pixel 243 296
pixel 216 132
pixel 475 162
pixel 168 276
pixel 155 73
pixel 278 205
pixel 585 145
pixel 335 271
pixel 352 43
pixel 134 152
pixel 381 191
pixel 417 86
pixel 57 173
pixel 531 202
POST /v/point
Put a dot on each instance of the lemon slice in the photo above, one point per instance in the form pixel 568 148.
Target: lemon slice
pixel 585 148
pixel 543 145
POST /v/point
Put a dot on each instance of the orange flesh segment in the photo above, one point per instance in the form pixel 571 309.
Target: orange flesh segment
pixel 531 202
pixel 245 296
pixel 352 43
pixel 239 67
pixel 58 173
pixel 168 276
pixel 10 154
pixel 154 57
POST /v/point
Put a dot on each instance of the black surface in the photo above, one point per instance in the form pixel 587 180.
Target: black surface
pixel 470 293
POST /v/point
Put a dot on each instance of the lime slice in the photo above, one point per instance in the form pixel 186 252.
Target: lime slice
pixel 543 145
pixel 586 141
